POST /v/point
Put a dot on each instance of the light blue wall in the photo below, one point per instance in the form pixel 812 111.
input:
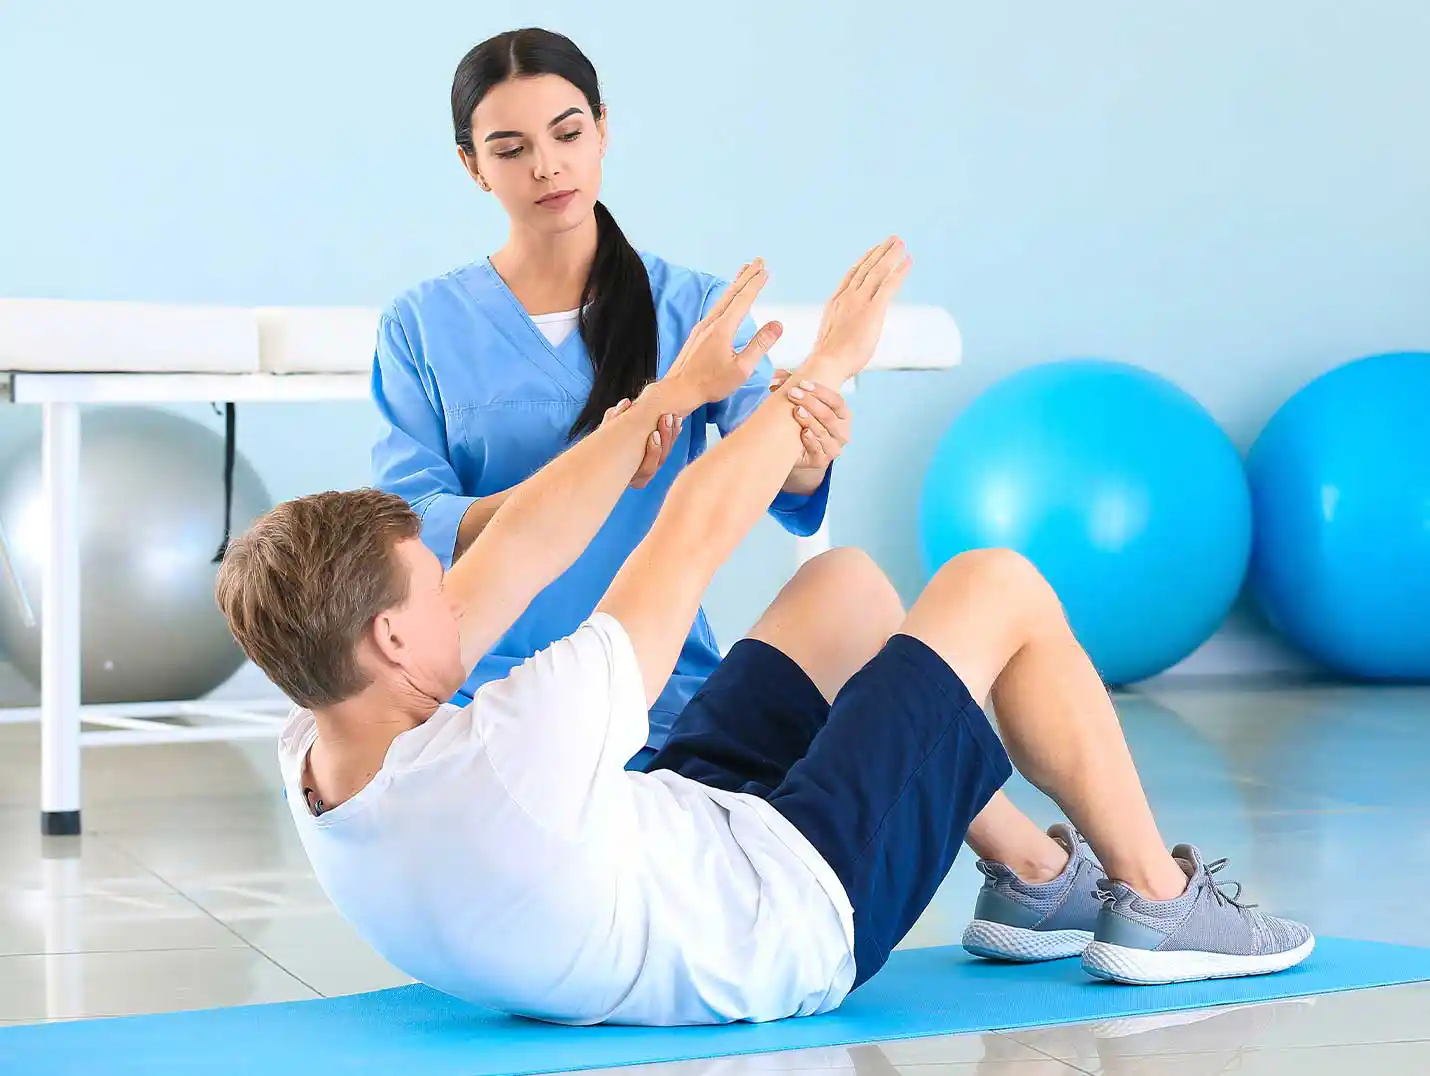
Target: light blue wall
pixel 1234 194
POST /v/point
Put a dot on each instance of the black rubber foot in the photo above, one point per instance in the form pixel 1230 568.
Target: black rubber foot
pixel 59 823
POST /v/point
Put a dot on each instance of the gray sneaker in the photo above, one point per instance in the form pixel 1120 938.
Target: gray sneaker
pixel 1203 934
pixel 1014 920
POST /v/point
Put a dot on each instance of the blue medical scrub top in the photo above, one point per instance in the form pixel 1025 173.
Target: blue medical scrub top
pixel 473 400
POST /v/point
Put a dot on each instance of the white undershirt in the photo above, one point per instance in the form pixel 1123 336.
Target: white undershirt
pixel 557 327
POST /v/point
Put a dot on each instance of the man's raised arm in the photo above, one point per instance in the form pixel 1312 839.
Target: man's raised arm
pixel 719 497
pixel 546 522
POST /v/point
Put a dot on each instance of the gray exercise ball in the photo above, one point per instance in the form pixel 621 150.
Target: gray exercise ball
pixel 151 520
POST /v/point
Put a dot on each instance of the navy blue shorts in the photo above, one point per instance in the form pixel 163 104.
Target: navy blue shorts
pixel 884 783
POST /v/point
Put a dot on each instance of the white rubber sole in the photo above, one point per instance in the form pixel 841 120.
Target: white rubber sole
pixel 1146 967
pixel 998 941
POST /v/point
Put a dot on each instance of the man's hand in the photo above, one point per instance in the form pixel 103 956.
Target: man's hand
pixel 854 316
pixel 657 445
pixel 708 367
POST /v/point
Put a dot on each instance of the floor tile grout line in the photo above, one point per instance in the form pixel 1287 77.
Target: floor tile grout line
pixel 1269 1048
pixel 145 949
pixel 1051 1057
pixel 247 944
pixel 286 971
pixel 127 854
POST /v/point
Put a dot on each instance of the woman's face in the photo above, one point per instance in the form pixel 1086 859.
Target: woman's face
pixel 538 149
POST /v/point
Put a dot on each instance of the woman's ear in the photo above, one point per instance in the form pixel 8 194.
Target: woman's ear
pixel 601 127
pixel 469 162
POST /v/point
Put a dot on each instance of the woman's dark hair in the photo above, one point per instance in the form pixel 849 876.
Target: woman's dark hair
pixel 617 319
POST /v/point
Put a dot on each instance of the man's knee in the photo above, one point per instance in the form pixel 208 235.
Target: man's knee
pixel 1003 578
pixel 838 601
pixel 854 583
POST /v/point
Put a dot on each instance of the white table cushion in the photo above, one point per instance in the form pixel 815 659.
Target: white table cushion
pixel 317 340
pixel 64 336
pixel 342 339
pixel 54 335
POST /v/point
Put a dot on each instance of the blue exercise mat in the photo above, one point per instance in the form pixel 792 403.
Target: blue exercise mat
pixel 413 1029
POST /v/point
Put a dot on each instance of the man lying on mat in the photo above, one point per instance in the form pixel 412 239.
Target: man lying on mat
pixel 812 795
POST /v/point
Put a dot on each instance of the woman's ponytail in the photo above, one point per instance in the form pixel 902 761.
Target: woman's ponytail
pixel 617 324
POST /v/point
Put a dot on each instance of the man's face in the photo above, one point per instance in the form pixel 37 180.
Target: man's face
pixel 426 625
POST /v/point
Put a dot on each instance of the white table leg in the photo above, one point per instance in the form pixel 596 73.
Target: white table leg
pixel 60 626
pixel 806 549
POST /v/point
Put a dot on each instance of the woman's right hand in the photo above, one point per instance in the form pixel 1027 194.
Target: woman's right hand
pixel 708 367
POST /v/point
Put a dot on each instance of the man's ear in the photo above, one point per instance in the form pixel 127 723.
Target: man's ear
pixel 384 637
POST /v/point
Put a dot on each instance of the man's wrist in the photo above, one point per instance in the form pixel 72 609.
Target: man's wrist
pixel 826 368
pixel 672 394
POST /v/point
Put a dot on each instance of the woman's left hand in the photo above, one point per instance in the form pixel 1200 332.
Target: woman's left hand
pixel 825 417
pixel 657 445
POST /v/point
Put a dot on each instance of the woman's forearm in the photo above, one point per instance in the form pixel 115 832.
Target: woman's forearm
pixel 804 481
pixel 475 519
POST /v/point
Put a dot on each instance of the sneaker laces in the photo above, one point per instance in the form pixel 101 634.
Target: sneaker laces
pixel 1224 898
pixel 1106 892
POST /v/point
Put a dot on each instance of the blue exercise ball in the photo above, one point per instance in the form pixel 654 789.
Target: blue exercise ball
pixel 1118 486
pixel 1340 482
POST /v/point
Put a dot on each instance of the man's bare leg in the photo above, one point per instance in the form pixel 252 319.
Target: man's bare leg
pixel 998 624
pixel 831 618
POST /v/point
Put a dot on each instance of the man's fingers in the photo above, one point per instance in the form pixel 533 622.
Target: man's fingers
pixel 888 262
pixel 743 296
pixel 725 296
pixel 738 287
pixel 872 259
pixel 849 274
pixel 895 280
pixel 759 344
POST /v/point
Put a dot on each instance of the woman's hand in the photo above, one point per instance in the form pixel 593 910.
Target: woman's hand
pixel 657 445
pixel 826 419
pixel 708 367
pixel 854 316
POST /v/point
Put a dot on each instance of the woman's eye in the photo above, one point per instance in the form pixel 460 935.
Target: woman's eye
pixel 508 154
pixel 569 136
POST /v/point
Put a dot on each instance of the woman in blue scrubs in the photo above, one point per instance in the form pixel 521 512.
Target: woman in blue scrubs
pixel 484 374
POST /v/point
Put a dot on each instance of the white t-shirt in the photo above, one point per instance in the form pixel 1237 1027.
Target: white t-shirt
pixel 504 855
pixel 557 327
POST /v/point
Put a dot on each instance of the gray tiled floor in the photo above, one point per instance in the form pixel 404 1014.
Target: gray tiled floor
pixel 189 889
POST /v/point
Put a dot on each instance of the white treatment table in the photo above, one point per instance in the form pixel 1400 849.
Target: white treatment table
pixel 62 355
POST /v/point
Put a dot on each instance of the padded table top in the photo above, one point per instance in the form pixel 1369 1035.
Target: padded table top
pixel 60 336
